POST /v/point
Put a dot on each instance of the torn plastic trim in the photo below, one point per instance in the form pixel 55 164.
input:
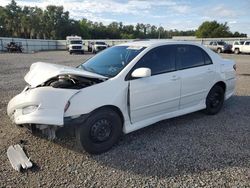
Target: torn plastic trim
pixel 75 120
pixel 50 130
pixel 18 158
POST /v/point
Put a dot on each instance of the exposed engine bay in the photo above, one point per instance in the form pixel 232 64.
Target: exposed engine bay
pixel 71 82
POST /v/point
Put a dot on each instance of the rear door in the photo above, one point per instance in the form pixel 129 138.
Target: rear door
pixel 246 47
pixel 196 71
pixel 215 46
pixel 160 93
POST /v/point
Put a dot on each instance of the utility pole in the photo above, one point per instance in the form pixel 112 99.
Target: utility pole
pixel 159 34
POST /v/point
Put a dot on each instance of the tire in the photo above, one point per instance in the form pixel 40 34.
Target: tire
pixel 215 100
pixel 237 51
pixel 82 52
pixel 100 131
pixel 70 53
pixel 219 50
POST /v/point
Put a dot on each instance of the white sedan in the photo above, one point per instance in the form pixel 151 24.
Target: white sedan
pixel 122 89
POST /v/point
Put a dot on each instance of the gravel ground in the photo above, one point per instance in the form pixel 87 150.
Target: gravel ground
pixel 194 150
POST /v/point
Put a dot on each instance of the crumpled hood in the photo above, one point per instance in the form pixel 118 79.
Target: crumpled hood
pixel 41 72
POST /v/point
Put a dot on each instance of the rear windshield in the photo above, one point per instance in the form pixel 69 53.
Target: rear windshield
pixel 221 43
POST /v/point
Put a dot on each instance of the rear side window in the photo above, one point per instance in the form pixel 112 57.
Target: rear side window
pixel 207 59
pixel 188 56
pixel 159 60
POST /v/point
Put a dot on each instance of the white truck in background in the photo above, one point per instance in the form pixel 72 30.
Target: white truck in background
pixel 241 47
pixel 74 44
pixel 97 46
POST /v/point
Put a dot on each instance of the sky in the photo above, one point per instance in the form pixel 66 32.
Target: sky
pixel 170 14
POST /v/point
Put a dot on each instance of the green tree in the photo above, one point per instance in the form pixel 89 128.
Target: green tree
pixel 13 19
pixel 213 29
pixel 55 20
pixel 3 16
pixel 55 23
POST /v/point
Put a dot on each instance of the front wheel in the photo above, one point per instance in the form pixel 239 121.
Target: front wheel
pixel 100 131
pixel 215 100
pixel 236 51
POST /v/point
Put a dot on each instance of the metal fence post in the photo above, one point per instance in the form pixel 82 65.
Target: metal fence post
pixel 2 45
pixel 27 46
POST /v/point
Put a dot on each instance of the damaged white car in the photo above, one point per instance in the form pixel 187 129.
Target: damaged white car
pixel 122 89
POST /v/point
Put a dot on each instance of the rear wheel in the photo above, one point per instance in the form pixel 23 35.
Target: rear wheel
pixel 219 50
pixel 100 131
pixel 215 100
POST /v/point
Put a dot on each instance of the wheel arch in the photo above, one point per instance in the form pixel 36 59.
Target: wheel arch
pixel 221 84
pixel 114 108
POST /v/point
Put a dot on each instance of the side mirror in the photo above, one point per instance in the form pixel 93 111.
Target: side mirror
pixel 141 73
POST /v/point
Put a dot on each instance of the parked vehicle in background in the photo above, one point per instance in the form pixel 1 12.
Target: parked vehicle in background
pixel 97 46
pixel 241 47
pixel 220 46
pixel 90 44
pixel 74 44
pixel 14 47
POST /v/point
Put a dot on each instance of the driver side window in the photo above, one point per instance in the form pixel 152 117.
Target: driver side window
pixel 159 60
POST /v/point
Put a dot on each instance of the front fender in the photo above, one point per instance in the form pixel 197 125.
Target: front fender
pixel 108 93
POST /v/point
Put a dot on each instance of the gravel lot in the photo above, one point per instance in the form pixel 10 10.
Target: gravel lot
pixel 194 150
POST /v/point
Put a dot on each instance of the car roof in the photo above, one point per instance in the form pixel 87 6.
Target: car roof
pixel 153 43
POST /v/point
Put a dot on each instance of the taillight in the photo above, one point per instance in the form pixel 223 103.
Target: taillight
pixel 234 67
pixel 66 106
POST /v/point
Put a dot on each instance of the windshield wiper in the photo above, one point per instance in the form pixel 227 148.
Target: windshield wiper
pixel 89 69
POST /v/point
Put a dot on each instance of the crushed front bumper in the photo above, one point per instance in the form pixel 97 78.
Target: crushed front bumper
pixel 50 104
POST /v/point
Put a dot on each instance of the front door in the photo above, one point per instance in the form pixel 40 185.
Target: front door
pixel 160 93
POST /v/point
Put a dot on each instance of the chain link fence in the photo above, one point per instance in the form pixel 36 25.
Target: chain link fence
pixel 33 45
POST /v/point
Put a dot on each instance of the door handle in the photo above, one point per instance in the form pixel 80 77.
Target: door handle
pixel 210 71
pixel 175 78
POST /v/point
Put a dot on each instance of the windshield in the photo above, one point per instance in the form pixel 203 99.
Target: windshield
pixel 101 43
pixel 75 42
pixel 221 43
pixel 112 60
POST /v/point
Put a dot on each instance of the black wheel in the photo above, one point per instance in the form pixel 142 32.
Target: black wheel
pixel 70 52
pixel 100 131
pixel 237 51
pixel 215 100
pixel 219 50
pixel 82 52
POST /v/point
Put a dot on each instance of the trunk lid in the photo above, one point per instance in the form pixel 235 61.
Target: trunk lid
pixel 41 72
